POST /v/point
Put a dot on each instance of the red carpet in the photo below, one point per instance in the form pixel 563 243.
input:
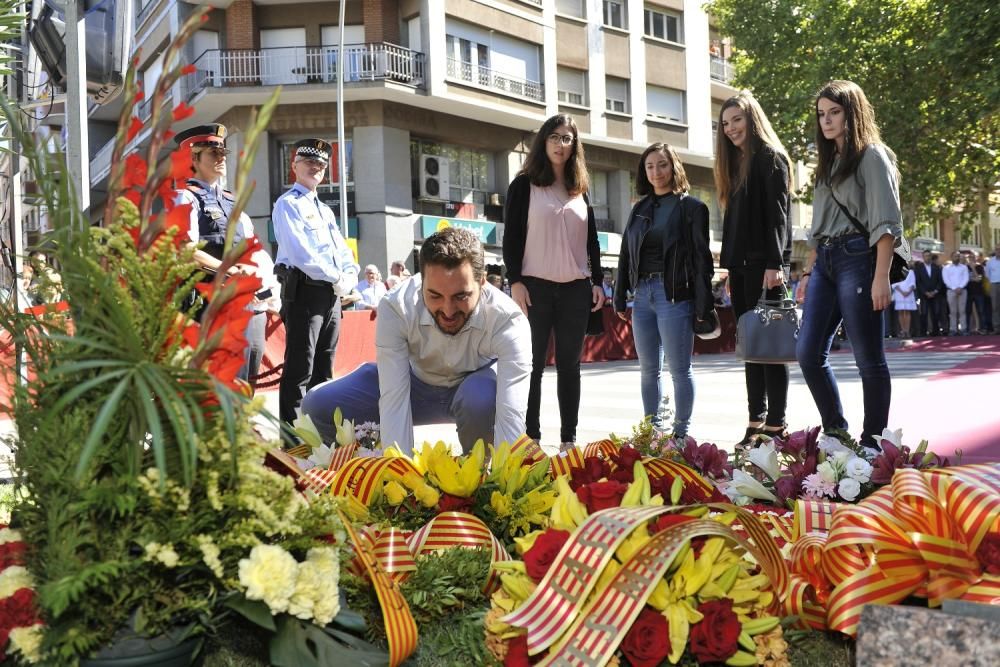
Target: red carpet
pixel 955 410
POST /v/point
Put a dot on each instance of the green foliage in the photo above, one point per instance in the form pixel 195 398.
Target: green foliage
pixel 446 599
pixel 11 22
pixel 929 68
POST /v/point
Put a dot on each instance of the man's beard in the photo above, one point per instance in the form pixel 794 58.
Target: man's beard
pixel 454 326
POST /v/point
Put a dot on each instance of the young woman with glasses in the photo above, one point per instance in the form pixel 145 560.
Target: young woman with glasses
pixel 752 179
pixel 847 274
pixel 665 260
pixel 553 262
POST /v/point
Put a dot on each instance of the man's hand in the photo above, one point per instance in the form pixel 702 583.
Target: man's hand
pixel 624 315
pixel 800 291
pixel 519 293
pixel 773 278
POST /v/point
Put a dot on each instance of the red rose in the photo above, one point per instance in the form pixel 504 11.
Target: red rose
pixel 538 559
pixel 623 475
pixel 716 637
pixel 450 503
pixel 626 457
pixel 988 553
pixel 517 652
pixel 601 495
pixel 647 642
pixel 665 521
pixel 594 470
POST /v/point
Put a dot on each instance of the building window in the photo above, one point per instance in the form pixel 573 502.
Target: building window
pixel 663 24
pixel 616 95
pixel 571 8
pixel 572 86
pixel 996 237
pixel 468 179
pixel 493 60
pixel 614 13
pixel 332 180
pixel 599 199
pixel 665 104
pixel 970 235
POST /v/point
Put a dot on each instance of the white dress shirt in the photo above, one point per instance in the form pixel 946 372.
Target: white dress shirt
pixel 309 240
pixel 992 269
pixel 407 339
pixel 956 276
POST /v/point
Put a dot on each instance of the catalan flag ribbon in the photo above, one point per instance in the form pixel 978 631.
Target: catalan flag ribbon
pixel 916 536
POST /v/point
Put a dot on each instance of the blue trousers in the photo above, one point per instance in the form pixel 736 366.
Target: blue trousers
pixel 663 329
pixel 840 290
pixel 470 405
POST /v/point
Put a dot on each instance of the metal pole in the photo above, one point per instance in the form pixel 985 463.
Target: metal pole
pixel 341 157
pixel 78 150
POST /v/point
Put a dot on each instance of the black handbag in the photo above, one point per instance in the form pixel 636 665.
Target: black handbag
pixel 900 267
pixel 595 322
pixel 767 333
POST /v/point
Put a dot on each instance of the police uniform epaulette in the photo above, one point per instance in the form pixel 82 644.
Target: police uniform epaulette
pixel 228 195
pixel 195 188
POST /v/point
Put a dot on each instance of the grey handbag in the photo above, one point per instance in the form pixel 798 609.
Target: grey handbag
pixel 767 333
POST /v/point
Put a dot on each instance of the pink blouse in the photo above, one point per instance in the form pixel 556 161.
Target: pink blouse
pixel 556 244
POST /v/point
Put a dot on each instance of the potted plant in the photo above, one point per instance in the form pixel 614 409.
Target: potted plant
pixel 147 513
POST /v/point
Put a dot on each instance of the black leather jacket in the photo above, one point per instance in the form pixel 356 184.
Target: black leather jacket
pixel 687 260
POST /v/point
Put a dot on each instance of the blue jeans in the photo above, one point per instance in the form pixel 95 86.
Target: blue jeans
pixel 840 290
pixel 663 329
pixel 471 404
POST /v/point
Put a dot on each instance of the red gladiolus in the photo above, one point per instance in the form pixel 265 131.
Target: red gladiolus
pixel 182 111
pixel 189 69
pixel 134 128
pixel 180 164
pixel 179 218
pixel 135 197
pixel 135 171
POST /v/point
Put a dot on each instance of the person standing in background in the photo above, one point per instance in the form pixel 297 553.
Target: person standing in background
pixel 318 268
pixel 956 278
pixel 992 273
pixel 553 261
pixel 753 181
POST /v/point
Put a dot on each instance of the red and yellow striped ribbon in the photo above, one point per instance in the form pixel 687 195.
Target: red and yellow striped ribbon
pixel 556 600
pixel 300 451
pixel 531 449
pixel 603 448
pixel 564 462
pixel 362 477
pixel 660 467
pixel 458 529
pixel 812 516
pixel 596 633
pixel 400 628
pixel 917 536
pixel 342 455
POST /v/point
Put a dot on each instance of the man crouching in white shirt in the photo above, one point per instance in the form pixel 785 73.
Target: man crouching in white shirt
pixel 450 348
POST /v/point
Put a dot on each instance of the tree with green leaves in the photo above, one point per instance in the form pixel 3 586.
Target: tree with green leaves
pixel 930 69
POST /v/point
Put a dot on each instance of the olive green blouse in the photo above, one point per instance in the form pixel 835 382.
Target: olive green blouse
pixel 871 195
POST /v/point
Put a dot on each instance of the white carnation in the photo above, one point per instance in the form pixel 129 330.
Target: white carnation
pixel 849 489
pixel 859 469
pixel 269 574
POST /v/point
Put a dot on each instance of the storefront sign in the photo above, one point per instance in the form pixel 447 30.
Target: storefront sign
pixel 485 230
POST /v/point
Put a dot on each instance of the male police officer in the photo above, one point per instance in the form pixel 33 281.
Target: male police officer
pixel 211 206
pixel 318 268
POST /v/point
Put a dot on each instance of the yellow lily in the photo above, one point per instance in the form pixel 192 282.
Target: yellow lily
pixel 458 479
pixel 522 544
pixel 394 492
pixel 567 510
pixel 501 504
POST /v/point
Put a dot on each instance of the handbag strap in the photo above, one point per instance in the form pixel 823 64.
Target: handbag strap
pixel 854 221
pixel 777 303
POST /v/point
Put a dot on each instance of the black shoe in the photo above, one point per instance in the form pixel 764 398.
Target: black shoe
pixel 748 437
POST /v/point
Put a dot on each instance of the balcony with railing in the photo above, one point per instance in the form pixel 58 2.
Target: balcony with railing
pixel 495 81
pixel 720 69
pixel 296 65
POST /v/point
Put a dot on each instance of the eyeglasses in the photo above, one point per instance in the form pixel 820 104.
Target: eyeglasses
pixel 564 139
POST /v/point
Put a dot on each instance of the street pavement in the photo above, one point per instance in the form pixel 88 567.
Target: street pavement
pixel 610 400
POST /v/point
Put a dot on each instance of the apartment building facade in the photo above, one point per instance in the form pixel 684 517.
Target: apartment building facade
pixel 441 98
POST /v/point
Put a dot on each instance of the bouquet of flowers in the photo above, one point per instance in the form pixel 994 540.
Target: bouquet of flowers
pixel 705 599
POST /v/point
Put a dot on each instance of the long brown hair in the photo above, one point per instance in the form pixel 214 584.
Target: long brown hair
pixel 539 169
pixel 732 165
pixel 680 180
pixel 862 130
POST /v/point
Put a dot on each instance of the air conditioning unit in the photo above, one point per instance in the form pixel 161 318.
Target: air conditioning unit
pixel 434 183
